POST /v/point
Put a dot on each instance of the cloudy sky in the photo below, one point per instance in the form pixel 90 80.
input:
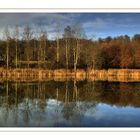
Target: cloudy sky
pixel 94 24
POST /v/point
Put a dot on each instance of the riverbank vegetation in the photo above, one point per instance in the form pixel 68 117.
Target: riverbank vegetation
pixel 70 49
pixel 34 74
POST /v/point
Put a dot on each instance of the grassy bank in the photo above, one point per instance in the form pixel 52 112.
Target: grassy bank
pixel 122 75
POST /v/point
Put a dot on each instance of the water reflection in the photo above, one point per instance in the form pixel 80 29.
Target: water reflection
pixel 69 103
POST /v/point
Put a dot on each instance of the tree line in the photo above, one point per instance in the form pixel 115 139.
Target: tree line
pixel 70 49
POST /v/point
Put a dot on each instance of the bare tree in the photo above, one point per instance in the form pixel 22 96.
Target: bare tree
pixel 7 36
pixel 27 36
pixel 57 43
pixel 16 37
pixel 78 35
pixel 66 51
pixel 67 36
pixel 37 45
pixel 42 47
pixel 76 52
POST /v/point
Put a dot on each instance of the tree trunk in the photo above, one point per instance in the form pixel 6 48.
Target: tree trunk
pixel 7 55
pixel 76 55
pixel 67 63
pixel 57 53
pixel 16 52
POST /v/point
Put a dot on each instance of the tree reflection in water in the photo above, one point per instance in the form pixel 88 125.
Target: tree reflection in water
pixel 61 103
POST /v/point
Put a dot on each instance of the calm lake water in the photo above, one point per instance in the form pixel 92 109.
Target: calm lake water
pixel 69 104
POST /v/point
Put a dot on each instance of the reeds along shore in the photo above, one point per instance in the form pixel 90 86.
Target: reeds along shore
pixel 120 75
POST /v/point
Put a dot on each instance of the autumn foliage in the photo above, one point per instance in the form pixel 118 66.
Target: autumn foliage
pixel 74 49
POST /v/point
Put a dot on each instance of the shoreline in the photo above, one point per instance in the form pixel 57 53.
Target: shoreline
pixel 32 74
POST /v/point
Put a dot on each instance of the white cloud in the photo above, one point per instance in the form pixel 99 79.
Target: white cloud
pixel 96 23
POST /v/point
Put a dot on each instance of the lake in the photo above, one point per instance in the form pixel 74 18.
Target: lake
pixel 69 104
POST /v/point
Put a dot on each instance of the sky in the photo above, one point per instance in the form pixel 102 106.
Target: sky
pixel 95 25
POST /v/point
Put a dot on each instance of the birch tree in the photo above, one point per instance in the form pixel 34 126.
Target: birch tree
pixel 57 43
pixel 69 39
pixel 67 36
pixel 16 37
pixel 28 36
pixel 78 35
pixel 7 36
pixel 76 52
pixel 42 47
